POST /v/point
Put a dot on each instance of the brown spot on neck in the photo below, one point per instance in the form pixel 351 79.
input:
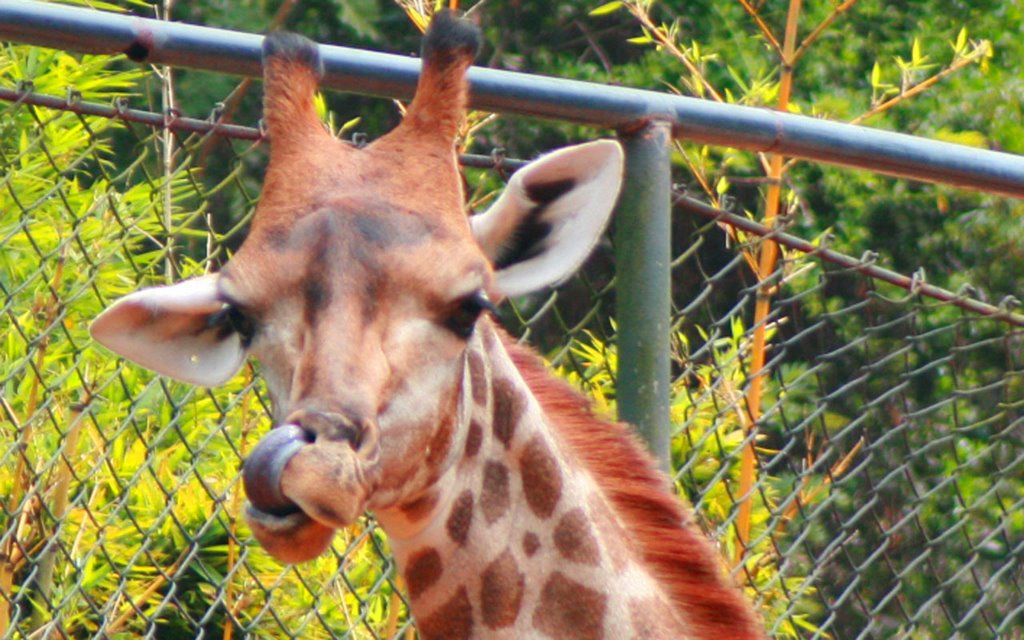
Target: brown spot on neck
pixel 508 409
pixel 474 438
pixel 531 543
pixel 424 570
pixel 575 540
pixel 501 592
pixel 542 479
pixel 477 377
pixel 460 518
pixel 453 620
pixel 569 610
pixel 494 499
pixel 441 443
pixel 421 507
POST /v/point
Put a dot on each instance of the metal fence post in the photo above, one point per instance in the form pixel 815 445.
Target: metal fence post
pixel 643 286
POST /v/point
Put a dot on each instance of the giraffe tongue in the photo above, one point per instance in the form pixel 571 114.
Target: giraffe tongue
pixel 261 473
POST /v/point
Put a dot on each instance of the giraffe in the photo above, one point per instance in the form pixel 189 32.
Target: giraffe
pixel 366 293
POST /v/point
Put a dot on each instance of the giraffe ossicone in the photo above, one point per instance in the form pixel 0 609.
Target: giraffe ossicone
pixel 364 291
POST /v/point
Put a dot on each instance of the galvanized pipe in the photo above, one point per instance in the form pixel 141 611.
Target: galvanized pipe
pixel 174 43
pixel 643 287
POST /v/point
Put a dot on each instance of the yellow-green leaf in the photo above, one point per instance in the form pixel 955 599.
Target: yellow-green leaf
pixel 961 40
pixel 606 8
pixel 969 138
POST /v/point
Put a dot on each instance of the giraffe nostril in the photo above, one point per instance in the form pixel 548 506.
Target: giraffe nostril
pixel 261 473
pixel 328 425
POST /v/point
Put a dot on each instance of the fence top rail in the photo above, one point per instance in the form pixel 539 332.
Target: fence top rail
pixel 394 76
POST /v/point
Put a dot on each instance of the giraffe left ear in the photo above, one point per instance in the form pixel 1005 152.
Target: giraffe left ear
pixel 181 331
pixel 550 216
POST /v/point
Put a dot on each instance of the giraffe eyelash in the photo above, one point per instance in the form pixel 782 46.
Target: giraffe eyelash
pixel 232 319
pixel 466 311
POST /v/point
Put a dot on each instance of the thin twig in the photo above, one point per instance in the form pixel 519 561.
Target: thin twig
pixel 594 46
pixel 980 51
pixel 765 29
pixel 659 35
pixel 135 605
pixel 818 30
pixel 166 77
pixel 470 11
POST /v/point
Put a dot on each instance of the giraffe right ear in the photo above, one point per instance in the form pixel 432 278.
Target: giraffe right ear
pixel 182 331
pixel 550 216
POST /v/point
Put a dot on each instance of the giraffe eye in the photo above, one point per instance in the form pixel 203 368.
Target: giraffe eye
pixel 232 319
pixel 242 324
pixel 465 312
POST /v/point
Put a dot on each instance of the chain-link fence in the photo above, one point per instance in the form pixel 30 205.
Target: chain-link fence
pixel 888 480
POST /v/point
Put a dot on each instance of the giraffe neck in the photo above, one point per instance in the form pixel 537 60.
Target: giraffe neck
pixel 516 538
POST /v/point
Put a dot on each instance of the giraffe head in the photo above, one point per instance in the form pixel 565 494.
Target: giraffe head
pixel 357 288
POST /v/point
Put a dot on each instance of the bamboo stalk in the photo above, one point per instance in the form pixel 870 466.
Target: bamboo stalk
pixel 392 624
pixel 768 260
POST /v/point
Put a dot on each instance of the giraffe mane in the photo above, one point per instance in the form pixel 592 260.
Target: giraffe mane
pixel 669 543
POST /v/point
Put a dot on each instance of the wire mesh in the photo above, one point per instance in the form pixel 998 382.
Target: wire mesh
pixel 889 451
pixel 889 448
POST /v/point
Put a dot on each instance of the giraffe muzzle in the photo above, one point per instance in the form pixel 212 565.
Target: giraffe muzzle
pixel 265 465
pixel 305 480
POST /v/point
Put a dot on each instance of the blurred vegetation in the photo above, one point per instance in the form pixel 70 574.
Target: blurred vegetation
pixel 79 226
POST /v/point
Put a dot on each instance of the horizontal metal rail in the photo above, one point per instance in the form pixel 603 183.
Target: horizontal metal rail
pixel 386 75
pixel 212 126
pixel 1004 311
pixel 120 110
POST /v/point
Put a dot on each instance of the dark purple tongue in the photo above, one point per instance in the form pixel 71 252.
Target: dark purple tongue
pixel 261 473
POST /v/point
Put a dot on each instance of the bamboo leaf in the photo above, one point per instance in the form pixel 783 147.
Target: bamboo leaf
pixel 961 40
pixel 606 8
